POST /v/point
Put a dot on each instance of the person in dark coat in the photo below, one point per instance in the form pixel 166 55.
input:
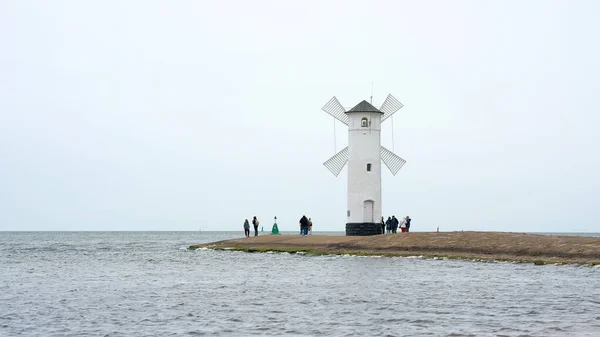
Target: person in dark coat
pixel 246 228
pixel 255 224
pixel 394 224
pixel 382 225
pixel 408 223
pixel 388 225
pixel 304 225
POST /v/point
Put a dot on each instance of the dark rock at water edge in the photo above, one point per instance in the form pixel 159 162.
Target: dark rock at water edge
pixel 363 229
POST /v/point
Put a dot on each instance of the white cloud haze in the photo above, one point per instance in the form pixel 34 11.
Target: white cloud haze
pixel 180 115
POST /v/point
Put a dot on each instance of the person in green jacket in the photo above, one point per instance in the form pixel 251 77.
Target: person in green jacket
pixel 247 228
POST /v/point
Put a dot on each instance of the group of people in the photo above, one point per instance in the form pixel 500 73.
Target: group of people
pixel 388 226
pixel 305 226
pixel 392 224
pixel 247 227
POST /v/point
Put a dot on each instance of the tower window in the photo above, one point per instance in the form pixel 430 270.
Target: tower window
pixel 364 122
pixel 369 167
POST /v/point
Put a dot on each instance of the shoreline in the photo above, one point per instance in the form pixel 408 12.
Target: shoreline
pixel 481 246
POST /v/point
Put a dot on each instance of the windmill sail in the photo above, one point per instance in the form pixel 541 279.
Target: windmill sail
pixel 389 107
pixel 335 109
pixel 391 160
pixel 336 163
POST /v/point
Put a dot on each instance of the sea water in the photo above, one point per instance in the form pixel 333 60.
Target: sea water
pixel 150 284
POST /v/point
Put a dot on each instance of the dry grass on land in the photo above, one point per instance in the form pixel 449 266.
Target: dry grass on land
pixel 539 249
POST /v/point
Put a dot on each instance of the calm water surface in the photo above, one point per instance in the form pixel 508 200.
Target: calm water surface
pixel 149 284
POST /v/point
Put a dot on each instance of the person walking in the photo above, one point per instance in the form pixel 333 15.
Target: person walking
pixel 394 224
pixel 382 225
pixel 309 226
pixel 255 224
pixel 304 225
pixel 388 225
pixel 247 228
pixel 408 219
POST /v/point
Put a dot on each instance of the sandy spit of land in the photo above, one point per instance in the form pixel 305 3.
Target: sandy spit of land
pixel 500 246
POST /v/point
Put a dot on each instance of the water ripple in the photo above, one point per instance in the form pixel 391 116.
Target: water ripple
pixel 123 284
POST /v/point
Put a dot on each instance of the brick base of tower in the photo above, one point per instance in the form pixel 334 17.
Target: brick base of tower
pixel 363 229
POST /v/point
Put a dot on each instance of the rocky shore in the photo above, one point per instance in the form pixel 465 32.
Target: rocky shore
pixel 498 246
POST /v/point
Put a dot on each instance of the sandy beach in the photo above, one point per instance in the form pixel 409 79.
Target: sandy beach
pixel 499 246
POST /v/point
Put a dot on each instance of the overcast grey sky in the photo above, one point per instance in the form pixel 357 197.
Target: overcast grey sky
pixel 181 115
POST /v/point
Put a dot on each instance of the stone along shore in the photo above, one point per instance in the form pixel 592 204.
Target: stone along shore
pixel 499 246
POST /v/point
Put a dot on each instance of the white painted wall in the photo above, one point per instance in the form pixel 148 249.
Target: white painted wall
pixel 364 146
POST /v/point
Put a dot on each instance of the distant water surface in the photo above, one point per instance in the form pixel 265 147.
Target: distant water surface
pixel 149 284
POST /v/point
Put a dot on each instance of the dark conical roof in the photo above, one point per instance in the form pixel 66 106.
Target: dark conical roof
pixel 364 106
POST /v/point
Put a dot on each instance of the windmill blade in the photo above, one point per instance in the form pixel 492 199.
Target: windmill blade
pixel 335 109
pixel 389 107
pixel 336 163
pixel 391 160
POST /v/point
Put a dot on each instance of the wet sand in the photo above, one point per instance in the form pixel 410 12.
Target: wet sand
pixel 499 246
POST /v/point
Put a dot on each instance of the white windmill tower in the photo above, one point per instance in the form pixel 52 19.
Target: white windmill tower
pixel 364 155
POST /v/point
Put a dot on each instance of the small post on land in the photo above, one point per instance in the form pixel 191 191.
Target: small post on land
pixel 275 229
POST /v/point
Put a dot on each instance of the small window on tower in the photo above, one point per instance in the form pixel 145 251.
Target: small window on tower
pixel 369 167
pixel 364 122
